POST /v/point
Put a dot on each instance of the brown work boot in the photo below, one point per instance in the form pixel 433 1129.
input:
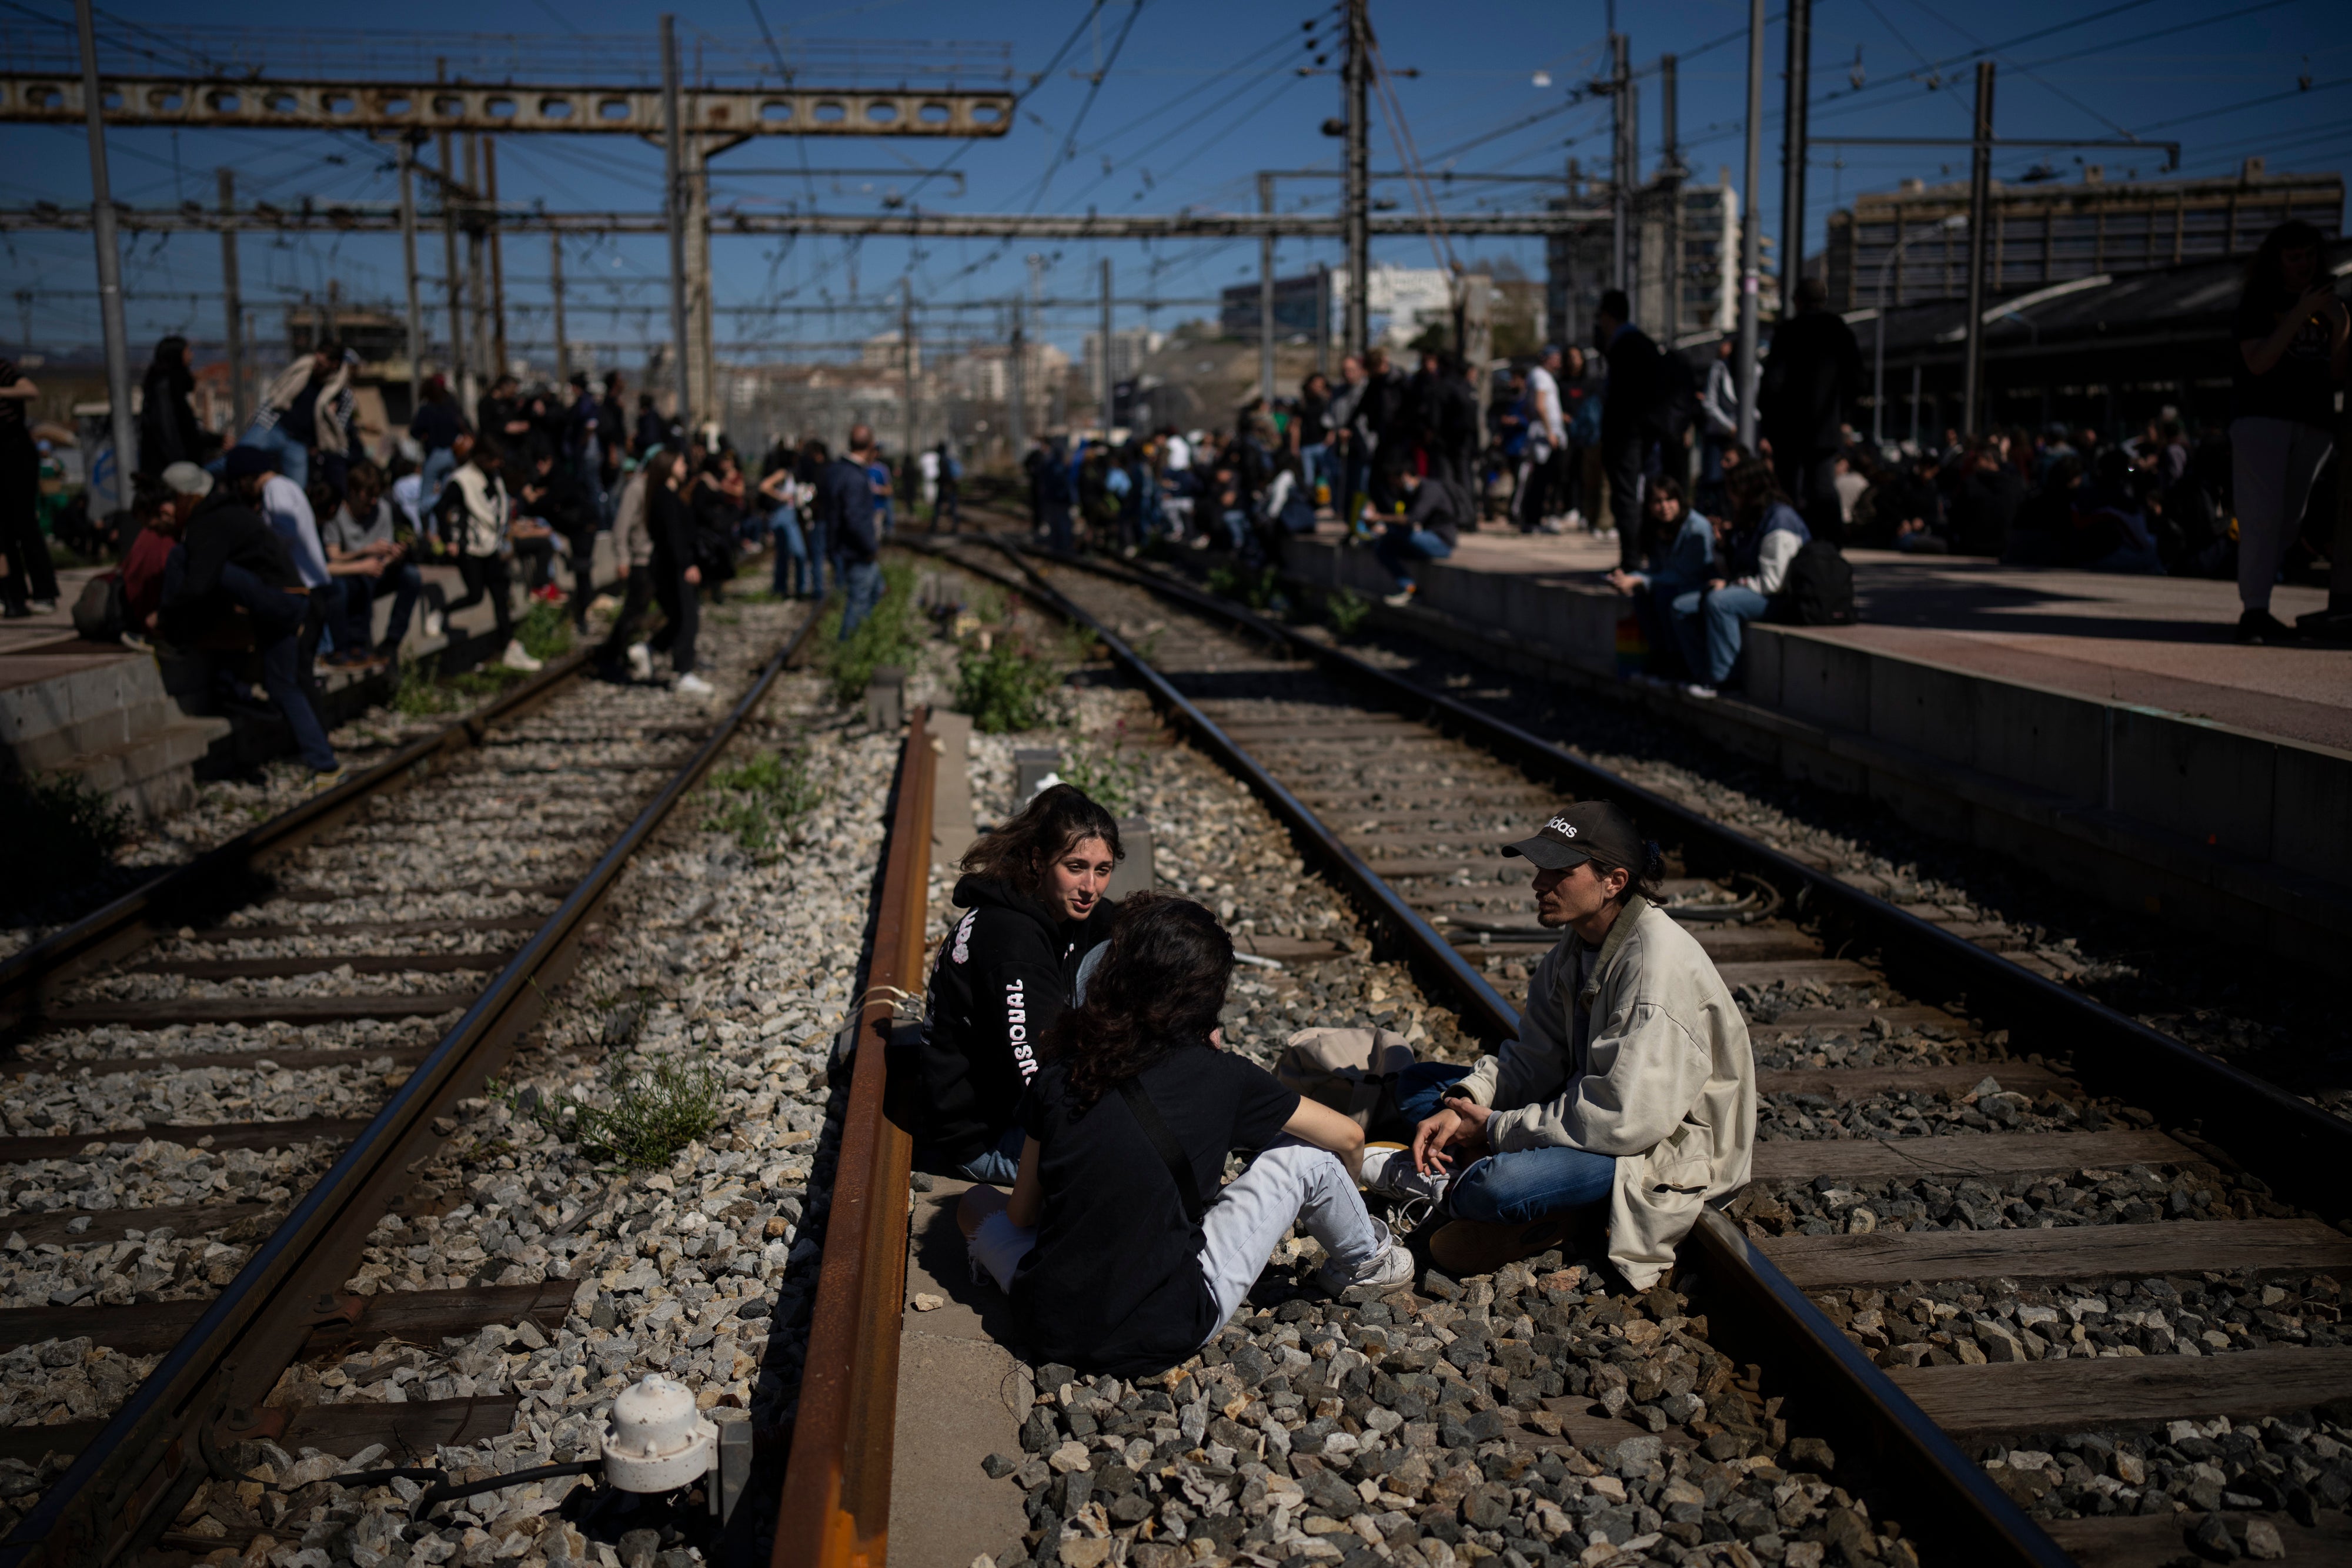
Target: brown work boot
pixel 1466 1247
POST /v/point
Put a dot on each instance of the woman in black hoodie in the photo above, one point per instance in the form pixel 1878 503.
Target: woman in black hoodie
pixel 1032 894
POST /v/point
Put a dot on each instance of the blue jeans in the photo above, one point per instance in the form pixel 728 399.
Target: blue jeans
pixel 293 457
pixel 403 581
pixel 861 588
pixel 1401 547
pixel 1513 1188
pixel 791 552
pixel 996 1167
pixel 277 618
pixel 1711 628
pixel 432 475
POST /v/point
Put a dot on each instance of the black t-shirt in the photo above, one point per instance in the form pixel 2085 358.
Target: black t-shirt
pixel 2299 386
pixel 300 422
pixel 1114 1283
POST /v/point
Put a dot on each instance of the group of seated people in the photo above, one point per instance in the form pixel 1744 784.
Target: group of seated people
pixel 1072 1052
pixel 1706 579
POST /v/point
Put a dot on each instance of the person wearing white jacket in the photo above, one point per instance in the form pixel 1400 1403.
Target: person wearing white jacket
pixel 1755 544
pixel 1630 1092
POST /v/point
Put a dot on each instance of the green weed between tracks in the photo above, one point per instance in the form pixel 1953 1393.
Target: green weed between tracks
pixel 1007 687
pixel 1258 589
pixel 1107 775
pixel 1346 609
pixel 652 1113
pixel 893 635
pixel 764 800
pixel 419 694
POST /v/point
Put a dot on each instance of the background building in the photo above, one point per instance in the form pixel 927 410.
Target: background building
pixel 2046 233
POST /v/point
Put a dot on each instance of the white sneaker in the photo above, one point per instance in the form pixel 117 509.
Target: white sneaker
pixel 1699 689
pixel 693 685
pixel 641 660
pixel 1391 1265
pixel 1389 1171
pixel 516 658
pixel 433 621
pixel 1397 600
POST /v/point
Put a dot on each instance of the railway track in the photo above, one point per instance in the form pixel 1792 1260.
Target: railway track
pixel 226 1084
pixel 2033 1260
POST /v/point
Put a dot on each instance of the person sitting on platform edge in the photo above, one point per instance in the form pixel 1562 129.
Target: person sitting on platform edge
pixel 1119 1252
pixel 1631 1090
pixel 1032 893
pixel 1437 508
pixel 1752 556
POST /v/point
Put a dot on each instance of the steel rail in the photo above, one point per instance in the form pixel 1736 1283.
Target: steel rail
pixel 834 1511
pixel 1952 1508
pixel 159 903
pixel 2293 1145
pixel 141 1468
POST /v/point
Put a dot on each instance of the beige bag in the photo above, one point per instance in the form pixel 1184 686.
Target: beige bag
pixel 1352 1071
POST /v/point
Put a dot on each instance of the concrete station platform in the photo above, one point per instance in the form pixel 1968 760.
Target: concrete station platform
pixel 2106 729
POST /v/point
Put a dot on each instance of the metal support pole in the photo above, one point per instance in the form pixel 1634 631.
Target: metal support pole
pixel 1750 228
pixel 1670 268
pixel 906 367
pixel 1265 295
pixel 1914 403
pixel 1979 222
pixel 486 371
pixel 1621 162
pixel 1016 384
pixel 1356 74
pixel 498 258
pixel 1109 372
pixel 555 283
pixel 408 274
pixel 1796 86
pixel 235 311
pixel 1322 320
pixel 110 265
pixel 458 358
pixel 674 204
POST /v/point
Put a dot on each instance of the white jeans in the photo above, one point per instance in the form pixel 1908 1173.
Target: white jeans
pixel 1291 1181
pixel 2271 462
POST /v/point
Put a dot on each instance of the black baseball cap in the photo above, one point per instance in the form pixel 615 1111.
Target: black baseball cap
pixel 1597 831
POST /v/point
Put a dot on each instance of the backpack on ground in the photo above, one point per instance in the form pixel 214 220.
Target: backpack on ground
pixel 101 613
pixel 1819 588
pixel 1352 1071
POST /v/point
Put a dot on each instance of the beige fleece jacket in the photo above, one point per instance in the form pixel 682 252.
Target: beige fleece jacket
pixel 1662 1079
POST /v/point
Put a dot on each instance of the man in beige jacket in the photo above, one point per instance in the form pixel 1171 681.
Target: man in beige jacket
pixel 1631 1090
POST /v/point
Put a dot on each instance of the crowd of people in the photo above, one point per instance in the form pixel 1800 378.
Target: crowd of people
pixel 1071 1053
pixel 270 553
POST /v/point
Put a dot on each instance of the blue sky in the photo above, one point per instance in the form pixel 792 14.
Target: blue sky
pixel 1194 97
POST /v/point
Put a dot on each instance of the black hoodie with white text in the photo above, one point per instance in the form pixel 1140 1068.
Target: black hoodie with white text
pixel 1003 978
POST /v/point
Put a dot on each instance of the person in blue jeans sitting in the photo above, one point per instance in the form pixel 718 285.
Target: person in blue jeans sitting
pixel 1629 1096
pixel 1681 548
pixel 1752 556
pixel 1436 510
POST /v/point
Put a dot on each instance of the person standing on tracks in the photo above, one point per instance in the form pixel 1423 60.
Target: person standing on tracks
pixel 1032 893
pixel 1630 1094
pixel 1120 1249
pixel 474 513
pixel 633 558
pixel 846 500
pixel 676 576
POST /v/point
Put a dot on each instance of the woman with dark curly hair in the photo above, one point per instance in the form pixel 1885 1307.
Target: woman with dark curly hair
pixel 1114 1260
pixel 1031 893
